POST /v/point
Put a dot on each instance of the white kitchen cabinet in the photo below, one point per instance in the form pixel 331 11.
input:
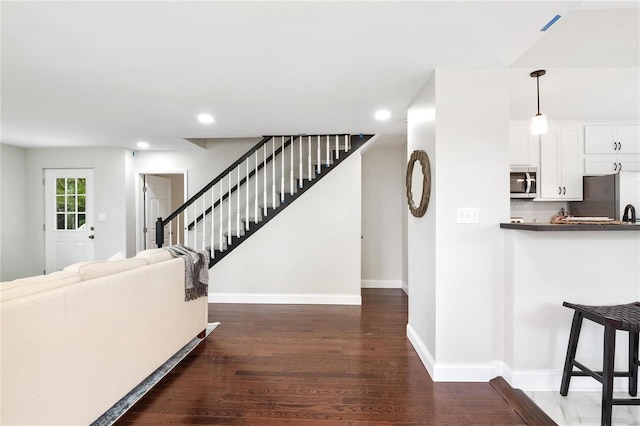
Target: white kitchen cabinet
pixel 612 140
pixel 599 165
pixel 523 146
pixel 561 164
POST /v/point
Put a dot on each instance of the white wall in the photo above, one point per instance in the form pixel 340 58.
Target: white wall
pixel 421 232
pixel 15 261
pixel 309 253
pixel 383 208
pixel 130 215
pixel 111 198
pixel 543 270
pixel 202 165
pixel 405 209
pixel 468 146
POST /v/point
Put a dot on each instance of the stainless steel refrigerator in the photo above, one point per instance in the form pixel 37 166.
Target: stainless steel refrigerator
pixel 608 195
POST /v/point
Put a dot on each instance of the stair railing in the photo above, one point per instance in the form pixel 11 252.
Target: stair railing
pixel 253 177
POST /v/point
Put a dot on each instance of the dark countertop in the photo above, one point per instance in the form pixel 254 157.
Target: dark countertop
pixel 571 227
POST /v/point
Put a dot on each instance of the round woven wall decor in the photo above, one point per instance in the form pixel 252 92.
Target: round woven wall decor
pixel 423 159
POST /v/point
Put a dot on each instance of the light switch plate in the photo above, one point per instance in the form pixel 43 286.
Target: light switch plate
pixel 468 215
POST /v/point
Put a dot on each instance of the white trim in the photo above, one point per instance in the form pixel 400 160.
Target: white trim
pixel 461 372
pixel 507 374
pixel 549 380
pixel 405 288
pixel 442 372
pixel 381 284
pixel 290 299
pixel 421 349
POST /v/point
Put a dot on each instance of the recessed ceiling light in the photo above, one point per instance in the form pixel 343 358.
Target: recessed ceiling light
pixel 143 145
pixel 205 118
pixel 383 114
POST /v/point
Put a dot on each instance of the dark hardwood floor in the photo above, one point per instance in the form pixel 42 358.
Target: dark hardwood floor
pixel 314 364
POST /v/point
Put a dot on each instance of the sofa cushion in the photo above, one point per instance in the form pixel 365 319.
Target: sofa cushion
pixel 26 286
pixel 118 256
pixel 93 270
pixel 154 255
pixel 75 267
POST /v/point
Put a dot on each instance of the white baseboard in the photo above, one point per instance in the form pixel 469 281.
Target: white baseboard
pixel 405 288
pixel 549 380
pixel 286 299
pixel 458 372
pixel 381 284
pixel 421 349
pixel 462 372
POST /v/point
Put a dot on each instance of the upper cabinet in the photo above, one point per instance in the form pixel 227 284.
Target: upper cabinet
pixel 560 164
pixel 606 165
pixel 610 149
pixel 523 146
pixel 612 140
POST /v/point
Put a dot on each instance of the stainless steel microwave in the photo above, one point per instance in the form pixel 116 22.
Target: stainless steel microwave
pixel 523 182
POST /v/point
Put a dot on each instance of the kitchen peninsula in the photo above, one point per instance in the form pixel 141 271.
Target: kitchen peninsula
pixel 590 264
pixel 562 227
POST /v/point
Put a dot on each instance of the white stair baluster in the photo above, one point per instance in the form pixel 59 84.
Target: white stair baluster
pixel 282 169
pixel 273 171
pixel 213 221
pixel 309 168
pixel 264 178
pixel 318 167
pixel 255 179
pixel 238 205
pixel 337 151
pixel 229 212
pixel 170 232
pixel 186 227
pixel 195 226
pixel 328 153
pixel 178 229
pixel 346 143
pixel 291 171
pixel 246 191
pixel 300 164
pixel 204 220
pixel 220 230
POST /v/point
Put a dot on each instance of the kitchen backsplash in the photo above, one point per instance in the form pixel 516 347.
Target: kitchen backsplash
pixel 536 211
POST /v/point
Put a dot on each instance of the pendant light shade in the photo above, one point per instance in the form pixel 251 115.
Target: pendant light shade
pixel 539 124
pixel 539 121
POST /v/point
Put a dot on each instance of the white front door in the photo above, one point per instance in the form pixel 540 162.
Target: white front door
pixel 69 236
pixel 157 203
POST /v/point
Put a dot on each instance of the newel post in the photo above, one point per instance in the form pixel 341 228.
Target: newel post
pixel 159 233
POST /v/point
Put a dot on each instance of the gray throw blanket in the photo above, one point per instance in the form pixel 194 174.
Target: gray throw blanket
pixel 196 270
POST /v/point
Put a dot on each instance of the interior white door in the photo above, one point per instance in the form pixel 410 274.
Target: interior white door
pixel 157 203
pixel 69 217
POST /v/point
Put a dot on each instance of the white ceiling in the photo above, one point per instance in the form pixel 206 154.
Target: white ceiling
pixel 112 73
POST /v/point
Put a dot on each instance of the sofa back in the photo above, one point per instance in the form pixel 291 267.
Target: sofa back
pixel 69 353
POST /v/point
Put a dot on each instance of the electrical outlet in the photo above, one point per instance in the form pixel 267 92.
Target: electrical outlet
pixel 468 215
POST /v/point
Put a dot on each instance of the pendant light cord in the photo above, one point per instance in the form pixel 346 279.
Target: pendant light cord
pixel 538 92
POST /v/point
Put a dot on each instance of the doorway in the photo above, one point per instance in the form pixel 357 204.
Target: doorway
pixel 159 194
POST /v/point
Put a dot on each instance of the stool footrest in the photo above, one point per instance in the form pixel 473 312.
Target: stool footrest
pixel 626 401
pixel 599 374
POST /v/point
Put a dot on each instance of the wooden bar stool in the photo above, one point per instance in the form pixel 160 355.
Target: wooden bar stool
pixel 617 317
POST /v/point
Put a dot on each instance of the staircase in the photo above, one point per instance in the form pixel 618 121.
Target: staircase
pixel 253 190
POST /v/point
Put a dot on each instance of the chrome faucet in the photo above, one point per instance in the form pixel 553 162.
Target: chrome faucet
pixel 629 214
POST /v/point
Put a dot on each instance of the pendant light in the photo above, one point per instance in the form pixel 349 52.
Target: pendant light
pixel 539 121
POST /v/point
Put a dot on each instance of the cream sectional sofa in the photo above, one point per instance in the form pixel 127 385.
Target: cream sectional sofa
pixel 76 341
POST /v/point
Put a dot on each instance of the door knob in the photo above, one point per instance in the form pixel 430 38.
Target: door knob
pixel 91 237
